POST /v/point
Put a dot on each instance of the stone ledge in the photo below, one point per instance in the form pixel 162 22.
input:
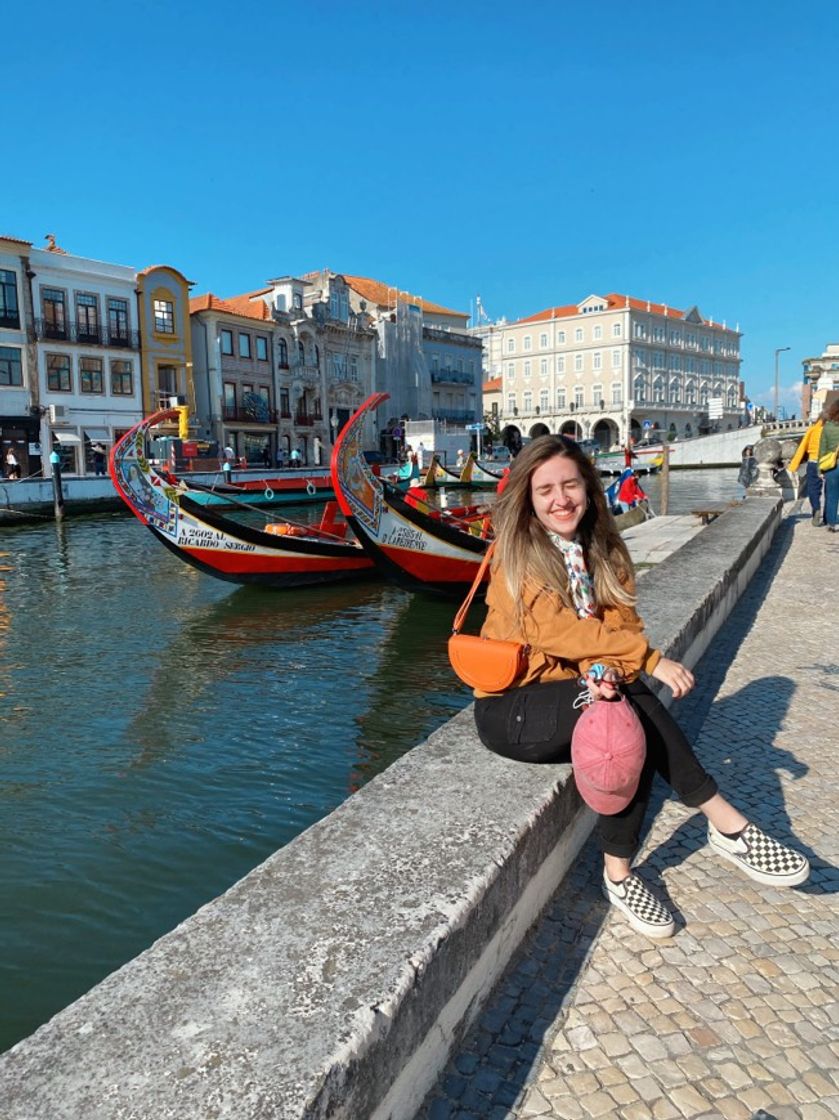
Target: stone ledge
pixel 333 980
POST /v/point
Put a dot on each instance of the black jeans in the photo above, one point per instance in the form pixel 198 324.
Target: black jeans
pixel 535 724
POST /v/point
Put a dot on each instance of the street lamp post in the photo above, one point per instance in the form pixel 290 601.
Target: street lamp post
pixel 775 403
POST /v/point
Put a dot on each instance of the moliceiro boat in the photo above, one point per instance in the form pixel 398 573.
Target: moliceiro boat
pixel 280 555
pixel 416 546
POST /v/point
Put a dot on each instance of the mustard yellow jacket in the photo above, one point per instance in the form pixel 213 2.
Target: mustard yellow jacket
pixel 808 448
pixel 563 645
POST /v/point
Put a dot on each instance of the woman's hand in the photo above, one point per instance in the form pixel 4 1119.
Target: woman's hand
pixel 604 687
pixel 677 678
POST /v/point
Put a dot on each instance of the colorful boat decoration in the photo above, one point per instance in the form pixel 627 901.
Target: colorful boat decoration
pixel 283 555
pixel 412 545
pixel 474 474
pixel 282 491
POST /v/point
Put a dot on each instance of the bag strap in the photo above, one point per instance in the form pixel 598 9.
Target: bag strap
pixel 460 617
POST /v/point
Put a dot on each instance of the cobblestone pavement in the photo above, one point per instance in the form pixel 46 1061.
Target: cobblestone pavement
pixel 738 1015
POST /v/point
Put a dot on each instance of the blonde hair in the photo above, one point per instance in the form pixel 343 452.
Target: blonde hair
pixel 524 550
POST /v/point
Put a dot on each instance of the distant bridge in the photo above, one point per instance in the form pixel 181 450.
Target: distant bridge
pixel 725 449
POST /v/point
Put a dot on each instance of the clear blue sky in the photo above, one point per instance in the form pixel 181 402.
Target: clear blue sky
pixel 532 153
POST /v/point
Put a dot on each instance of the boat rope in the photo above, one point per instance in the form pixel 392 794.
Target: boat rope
pixel 310 487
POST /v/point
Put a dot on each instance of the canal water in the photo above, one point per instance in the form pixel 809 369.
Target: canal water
pixel 164 732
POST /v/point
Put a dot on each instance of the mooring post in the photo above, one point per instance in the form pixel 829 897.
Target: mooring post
pixel 664 501
pixel 57 490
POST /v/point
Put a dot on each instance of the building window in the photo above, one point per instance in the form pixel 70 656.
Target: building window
pixel 226 342
pixel 435 363
pixel 511 369
pixel 616 330
pixel 11 370
pixel 543 367
pixel 229 400
pixel 122 379
pixel 511 403
pixel 117 319
pixel 282 350
pixel 244 345
pixel 527 342
pixel 579 396
pixel 285 405
pixel 164 316
pixel 460 365
pixel 511 346
pixel 87 317
pixel 527 369
pixel 640 390
pixel 9 313
pixel 616 359
pixel 301 353
pixel 560 397
pixel 90 375
pixel 578 334
pixel 543 341
pixel 617 392
pixel 597 396
pixel 543 400
pixel 675 392
pixel 598 332
pixel 560 338
pixel 59 377
pixel 353 367
pixel 560 363
pixel 578 362
pixel 528 402
pixel 297 301
pixel 598 360
pixel 55 321
pixel 658 391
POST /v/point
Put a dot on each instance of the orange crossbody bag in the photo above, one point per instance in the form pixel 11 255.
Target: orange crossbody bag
pixel 484 663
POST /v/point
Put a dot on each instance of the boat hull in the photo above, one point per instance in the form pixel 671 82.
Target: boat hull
pixel 412 548
pixel 214 544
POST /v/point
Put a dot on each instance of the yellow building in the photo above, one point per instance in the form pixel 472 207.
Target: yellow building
pixel 165 337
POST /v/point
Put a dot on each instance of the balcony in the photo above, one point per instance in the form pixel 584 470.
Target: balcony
pixel 307 419
pixel 245 415
pixel 455 416
pixel 303 372
pixel 452 376
pixel 86 334
pixel 10 320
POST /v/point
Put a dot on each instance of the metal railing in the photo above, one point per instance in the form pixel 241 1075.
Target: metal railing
pixel 87 334
pixel 249 416
pixel 455 376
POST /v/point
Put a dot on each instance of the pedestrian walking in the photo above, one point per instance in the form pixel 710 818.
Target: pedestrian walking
pixel 747 474
pixel 808 452
pixel 828 448
pixel 563 585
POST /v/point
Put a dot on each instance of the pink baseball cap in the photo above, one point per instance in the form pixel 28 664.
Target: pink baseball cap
pixel 608 749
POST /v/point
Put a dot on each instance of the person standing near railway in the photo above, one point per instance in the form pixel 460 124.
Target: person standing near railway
pixel 808 452
pixel 562 584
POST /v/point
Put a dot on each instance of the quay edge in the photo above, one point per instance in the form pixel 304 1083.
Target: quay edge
pixel 334 979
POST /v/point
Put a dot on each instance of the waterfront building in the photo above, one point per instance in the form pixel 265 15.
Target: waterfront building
pixel 19 396
pixel 425 358
pixel 233 372
pixel 324 358
pixel 87 347
pixel 165 337
pixel 821 381
pixel 87 354
pixel 614 368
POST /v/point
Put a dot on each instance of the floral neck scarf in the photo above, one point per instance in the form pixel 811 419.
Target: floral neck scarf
pixel 579 579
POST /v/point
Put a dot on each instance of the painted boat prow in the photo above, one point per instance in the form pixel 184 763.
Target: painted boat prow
pixel 215 544
pixel 414 549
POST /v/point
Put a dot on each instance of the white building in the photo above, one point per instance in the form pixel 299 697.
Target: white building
pixel 19 420
pixel 821 377
pixel 613 368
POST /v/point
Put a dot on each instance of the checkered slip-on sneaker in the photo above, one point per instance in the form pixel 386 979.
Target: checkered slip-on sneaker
pixel 643 910
pixel 760 857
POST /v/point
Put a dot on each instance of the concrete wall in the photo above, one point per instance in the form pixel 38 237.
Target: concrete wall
pixel 335 978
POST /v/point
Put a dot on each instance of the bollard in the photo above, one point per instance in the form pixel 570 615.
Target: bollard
pixel 57 489
pixel 664 500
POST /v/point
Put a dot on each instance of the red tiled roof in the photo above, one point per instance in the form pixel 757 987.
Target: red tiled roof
pixel 17 240
pixel 384 295
pixel 493 385
pixel 250 304
pixel 614 302
pixel 237 305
